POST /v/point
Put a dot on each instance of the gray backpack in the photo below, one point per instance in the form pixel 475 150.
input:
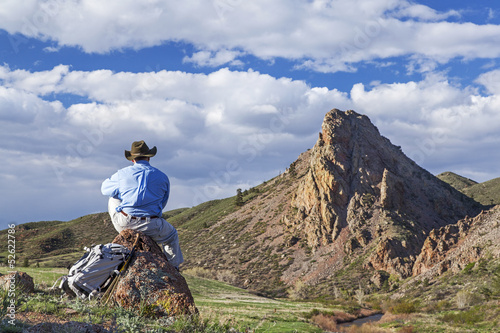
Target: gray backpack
pixel 94 271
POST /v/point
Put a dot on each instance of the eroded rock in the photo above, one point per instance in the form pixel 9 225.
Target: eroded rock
pixel 151 285
pixel 22 282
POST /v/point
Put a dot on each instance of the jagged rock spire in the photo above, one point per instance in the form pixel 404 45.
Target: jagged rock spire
pixel 363 187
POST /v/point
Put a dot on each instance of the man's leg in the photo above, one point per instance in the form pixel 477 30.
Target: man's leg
pixel 119 220
pixel 166 236
pixel 158 229
pixel 172 250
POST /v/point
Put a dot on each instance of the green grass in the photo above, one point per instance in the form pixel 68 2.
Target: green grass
pixel 486 193
pixel 221 306
pixel 456 181
pixel 41 276
pixel 204 215
pixel 250 311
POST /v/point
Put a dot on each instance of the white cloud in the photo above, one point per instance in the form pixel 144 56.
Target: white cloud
pixel 325 36
pixel 491 81
pixel 214 59
pixel 422 12
pixel 441 126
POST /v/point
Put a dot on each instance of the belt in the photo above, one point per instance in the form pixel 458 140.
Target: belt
pixel 137 217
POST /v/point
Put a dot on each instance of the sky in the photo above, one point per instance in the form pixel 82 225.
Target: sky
pixel 232 91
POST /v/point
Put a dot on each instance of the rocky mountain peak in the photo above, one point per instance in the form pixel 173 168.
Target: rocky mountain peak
pixel 363 191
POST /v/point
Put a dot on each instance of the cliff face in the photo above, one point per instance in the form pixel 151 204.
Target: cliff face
pixel 454 246
pixel 363 191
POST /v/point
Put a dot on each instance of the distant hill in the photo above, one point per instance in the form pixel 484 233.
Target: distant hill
pixel 486 193
pixel 57 243
pixel 455 180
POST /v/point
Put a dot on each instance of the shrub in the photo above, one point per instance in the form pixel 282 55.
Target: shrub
pixel 463 299
pixel 403 307
pixel 200 272
pixel 469 317
pixel 299 291
pixel 226 276
pixel 197 324
pixel 325 322
pixel 360 296
pixel 469 267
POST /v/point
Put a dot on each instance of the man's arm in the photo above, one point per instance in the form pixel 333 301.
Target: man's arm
pixel 109 187
pixel 166 195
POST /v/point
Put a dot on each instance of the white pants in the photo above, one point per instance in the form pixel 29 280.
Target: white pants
pixel 158 229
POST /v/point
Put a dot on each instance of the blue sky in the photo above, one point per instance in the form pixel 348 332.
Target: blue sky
pixel 231 92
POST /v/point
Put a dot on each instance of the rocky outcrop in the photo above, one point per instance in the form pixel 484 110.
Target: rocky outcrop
pixel 151 284
pixel 360 184
pixel 17 281
pixel 455 246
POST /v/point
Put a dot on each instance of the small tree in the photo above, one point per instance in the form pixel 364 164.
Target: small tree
pixel 26 262
pixel 360 295
pixel 337 292
pixel 239 197
pixel 299 291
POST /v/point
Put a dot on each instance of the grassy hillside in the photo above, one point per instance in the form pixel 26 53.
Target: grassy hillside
pixel 57 243
pixel 486 193
pixel 456 181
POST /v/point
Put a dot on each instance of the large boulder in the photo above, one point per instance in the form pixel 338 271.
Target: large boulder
pixel 151 285
pixel 18 281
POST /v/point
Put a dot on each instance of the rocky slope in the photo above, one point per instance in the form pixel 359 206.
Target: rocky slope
pixel 453 247
pixel 354 202
pixel 364 194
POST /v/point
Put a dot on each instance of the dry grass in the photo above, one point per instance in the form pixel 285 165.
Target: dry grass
pixel 223 275
pixel 325 322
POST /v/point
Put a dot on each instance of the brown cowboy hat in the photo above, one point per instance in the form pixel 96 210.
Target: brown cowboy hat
pixel 139 149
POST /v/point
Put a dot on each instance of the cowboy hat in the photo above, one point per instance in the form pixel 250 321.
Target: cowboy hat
pixel 139 149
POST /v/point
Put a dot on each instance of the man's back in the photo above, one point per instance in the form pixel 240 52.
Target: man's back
pixel 142 188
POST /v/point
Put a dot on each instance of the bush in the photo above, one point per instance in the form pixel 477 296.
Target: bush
pixel 226 276
pixel 463 299
pixel 299 291
pixel 200 272
pixel 468 269
pixel 196 324
pixel 469 317
pixel 325 322
pixel 403 307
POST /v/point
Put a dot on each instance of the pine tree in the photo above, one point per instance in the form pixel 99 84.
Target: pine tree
pixel 239 197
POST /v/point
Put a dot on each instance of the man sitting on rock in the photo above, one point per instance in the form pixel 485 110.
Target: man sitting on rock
pixel 138 194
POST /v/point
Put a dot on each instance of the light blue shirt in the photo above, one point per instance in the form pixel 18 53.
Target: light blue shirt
pixel 143 189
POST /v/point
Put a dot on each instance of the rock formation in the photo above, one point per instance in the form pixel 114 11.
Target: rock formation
pixel 352 207
pixel 453 247
pixel 360 188
pixel 22 282
pixel 151 285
